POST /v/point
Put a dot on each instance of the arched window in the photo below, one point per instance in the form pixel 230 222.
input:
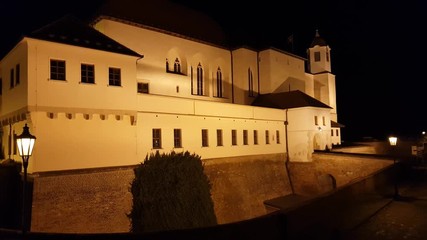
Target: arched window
pixel 199 79
pixel 218 82
pixel 167 65
pixel 177 66
pixel 250 83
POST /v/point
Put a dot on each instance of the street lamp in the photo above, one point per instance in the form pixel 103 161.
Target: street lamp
pixel 25 143
pixel 393 144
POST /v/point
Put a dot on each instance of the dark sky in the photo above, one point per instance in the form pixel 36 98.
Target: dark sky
pixel 378 49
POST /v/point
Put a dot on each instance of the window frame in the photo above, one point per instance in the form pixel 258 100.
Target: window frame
pixel 205 138
pixel 177 138
pixel 58 70
pixel 114 77
pixel 157 138
pixel 85 73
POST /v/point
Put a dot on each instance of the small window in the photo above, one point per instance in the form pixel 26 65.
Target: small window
pixel 317 56
pixel 245 137
pixel 17 74
pixel 234 137
pixel 205 140
pixel 315 121
pixel 267 137
pixel 142 87
pixel 255 137
pixel 177 66
pixel 277 137
pixel 337 132
pixel 323 121
pixel 12 78
pixel 332 132
pixel 114 77
pixel 57 70
pixel 87 73
pixel 218 82
pixel 157 138
pixel 167 65
pixel 177 139
pixel 219 141
pixel 251 92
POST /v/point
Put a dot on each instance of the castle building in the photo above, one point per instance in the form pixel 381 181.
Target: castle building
pixel 133 81
pixel 143 77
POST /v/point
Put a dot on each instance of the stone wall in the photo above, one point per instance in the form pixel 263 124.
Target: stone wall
pixel 97 201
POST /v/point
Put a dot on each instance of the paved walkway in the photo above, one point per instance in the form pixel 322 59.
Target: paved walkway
pixel 403 218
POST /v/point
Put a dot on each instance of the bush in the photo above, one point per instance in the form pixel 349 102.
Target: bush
pixel 171 191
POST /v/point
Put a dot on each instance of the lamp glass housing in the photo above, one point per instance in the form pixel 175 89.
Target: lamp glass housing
pixel 25 142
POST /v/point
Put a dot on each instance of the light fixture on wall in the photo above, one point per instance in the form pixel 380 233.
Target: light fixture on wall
pixel 25 143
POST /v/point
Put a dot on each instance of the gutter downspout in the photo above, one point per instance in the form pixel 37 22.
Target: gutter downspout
pixel 287 152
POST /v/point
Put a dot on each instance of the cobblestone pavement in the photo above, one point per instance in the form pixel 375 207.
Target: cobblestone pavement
pixel 404 218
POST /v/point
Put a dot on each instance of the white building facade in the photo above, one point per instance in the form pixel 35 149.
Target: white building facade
pixel 109 94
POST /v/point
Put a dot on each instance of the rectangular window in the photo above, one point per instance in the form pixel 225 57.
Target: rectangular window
pixel 323 121
pixel 337 133
pixel 317 56
pixel 142 87
pixel 255 137
pixel 205 140
pixel 114 77
pixel 245 137
pixel 87 73
pixel 157 138
pixel 267 137
pixel 332 132
pixel 234 137
pixel 18 74
pixel 177 139
pixel 219 137
pixel 57 70
pixel 277 137
pixel 12 78
pixel 315 121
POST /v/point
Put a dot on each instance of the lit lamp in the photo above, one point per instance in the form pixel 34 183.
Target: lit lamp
pixel 393 144
pixel 393 141
pixel 25 143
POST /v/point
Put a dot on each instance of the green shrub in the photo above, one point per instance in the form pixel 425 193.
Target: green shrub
pixel 171 191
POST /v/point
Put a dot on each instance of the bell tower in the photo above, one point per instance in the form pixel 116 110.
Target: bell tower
pixel 318 54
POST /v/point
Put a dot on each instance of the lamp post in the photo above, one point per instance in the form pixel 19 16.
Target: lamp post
pixel 393 143
pixel 25 143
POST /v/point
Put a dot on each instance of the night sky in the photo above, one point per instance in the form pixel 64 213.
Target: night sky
pixel 378 51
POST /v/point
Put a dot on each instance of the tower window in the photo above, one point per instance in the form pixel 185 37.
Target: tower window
pixel 317 56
